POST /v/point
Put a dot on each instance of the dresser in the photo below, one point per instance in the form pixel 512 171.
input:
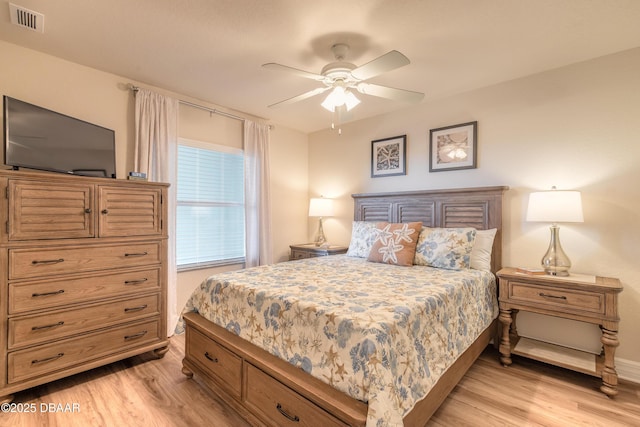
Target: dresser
pixel 84 271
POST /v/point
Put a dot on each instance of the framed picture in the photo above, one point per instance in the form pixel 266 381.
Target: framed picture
pixel 388 156
pixel 453 147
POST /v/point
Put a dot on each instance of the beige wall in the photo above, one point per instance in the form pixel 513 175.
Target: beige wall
pixel 576 127
pixel 105 99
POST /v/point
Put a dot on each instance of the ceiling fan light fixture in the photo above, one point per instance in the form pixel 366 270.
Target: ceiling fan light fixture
pixel 338 97
pixel 351 100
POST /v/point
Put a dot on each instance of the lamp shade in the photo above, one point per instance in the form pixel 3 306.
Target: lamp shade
pixel 339 96
pixel 320 207
pixel 555 206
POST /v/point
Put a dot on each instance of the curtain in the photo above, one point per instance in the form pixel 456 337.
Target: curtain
pixel 257 198
pixel 156 154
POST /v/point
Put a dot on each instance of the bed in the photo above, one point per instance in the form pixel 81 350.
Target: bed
pixel 340 340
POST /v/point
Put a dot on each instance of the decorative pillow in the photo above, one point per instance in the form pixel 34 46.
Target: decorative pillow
pixel 448 248
pixel 395 243
pixel 362 236
pixel 481 251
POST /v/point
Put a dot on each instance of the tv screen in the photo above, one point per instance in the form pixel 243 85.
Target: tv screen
pixel 37 138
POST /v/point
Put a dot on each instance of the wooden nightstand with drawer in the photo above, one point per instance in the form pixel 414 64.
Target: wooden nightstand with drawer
pixel 310 250
pixel 590 299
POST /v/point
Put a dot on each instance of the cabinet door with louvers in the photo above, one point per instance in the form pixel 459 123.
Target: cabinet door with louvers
pixel 126 211
pixel 46 210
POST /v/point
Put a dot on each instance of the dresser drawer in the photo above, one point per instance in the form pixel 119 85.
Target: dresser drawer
pixel 281 406
pixel 34 362
pixel 44 262
pixel 24 297
pixel 217 360
pixel 557 297
pixel 29 330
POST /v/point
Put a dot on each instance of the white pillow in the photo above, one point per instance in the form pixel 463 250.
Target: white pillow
pixel 363 233
pixel 481 251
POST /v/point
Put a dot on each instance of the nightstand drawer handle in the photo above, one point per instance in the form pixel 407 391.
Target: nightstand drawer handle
pixel 552 296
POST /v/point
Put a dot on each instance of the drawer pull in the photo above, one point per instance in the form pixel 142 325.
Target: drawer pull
pixel 542 294
pixel 37 328
pixel 134 336
pixel 48 359
pixel 135 282
pixel 208 356
pixel 47 261
pixel 46 294
pixel 138 308
pixel 137 254
pixel 104 211
pixel 293 418
pixel 87 210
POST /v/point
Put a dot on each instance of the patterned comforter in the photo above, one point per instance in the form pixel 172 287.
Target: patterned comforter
pixel 381 333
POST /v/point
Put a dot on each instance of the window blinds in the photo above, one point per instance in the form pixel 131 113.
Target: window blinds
pixel 210 217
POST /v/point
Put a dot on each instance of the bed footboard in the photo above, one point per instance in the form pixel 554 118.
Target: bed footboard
pixel 266 390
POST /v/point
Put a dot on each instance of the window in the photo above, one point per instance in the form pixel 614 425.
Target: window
pixel 210 217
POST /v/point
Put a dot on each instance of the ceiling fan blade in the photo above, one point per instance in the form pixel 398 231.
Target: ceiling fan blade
pixel 389 92
pixel 301 97
pixel 291 70
pixel 387 62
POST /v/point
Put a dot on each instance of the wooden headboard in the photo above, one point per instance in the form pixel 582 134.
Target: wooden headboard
pixel 479 207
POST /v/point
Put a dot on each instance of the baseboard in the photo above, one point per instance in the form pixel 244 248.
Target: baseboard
pixel 628 370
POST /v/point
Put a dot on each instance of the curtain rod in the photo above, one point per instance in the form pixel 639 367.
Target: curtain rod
pixel 200 107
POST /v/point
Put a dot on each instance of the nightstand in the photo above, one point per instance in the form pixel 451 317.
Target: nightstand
pixel 590 299
pixel 309 250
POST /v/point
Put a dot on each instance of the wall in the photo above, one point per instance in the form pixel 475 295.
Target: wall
pixel 575 127
pixel 105 99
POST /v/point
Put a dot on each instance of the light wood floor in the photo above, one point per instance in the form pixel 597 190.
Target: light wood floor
pixel 142 391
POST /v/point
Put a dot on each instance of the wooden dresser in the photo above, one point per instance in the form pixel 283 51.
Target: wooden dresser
pixel 83 269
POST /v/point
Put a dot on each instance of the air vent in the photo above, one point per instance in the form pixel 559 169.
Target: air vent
pixel 26 18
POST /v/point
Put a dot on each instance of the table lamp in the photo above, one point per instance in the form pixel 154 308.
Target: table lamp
pixel 555 206
pixel 320 207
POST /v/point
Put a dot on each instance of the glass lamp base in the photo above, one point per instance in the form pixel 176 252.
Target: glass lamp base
pixel 320 238
pixel 555 262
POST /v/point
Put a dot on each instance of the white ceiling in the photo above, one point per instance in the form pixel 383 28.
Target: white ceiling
pixel 213 50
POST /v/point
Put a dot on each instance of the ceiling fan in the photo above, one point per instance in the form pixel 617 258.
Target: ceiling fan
pixel 344 78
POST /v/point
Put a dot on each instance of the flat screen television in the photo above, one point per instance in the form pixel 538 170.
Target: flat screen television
pixel 37 138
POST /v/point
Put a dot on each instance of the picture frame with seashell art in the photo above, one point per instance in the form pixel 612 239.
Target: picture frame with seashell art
pixel 453 147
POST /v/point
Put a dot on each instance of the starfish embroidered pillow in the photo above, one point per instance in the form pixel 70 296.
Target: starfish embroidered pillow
pixel 395 243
